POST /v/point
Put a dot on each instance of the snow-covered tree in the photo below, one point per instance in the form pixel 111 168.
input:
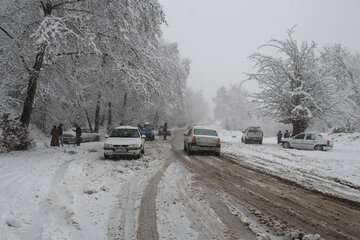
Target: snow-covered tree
pixel 81 50
pixel 294 87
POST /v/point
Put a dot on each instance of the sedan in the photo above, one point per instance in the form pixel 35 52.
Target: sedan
pixel 202 139
pixel 308 141
pixel 124 141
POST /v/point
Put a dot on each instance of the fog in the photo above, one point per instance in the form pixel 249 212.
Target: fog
pixel 219 36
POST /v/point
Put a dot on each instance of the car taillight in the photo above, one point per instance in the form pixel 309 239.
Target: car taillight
pixel 193 140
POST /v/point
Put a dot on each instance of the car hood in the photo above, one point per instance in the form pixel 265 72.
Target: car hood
pixel 123 141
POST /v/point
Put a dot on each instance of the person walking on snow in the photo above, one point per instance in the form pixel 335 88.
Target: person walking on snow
pixel 54 137
pixel 286 134
pixel 279 137
pixel 165 130
pixel 78 135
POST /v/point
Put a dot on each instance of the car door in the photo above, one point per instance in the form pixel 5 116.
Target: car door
pixel 298 141
pixel 309 141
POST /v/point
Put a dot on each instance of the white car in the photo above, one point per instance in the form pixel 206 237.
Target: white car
pixel 124 141
pixel 201 139
pixel 308 141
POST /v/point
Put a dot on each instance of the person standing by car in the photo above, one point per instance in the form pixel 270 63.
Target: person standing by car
pixel 286 134
pixel 61 134
pixel 279 137
pixel 165 130
pixel 78 135
pixel 54 137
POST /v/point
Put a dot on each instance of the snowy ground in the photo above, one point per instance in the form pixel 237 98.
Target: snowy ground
pixel 334 172
pixel 70 193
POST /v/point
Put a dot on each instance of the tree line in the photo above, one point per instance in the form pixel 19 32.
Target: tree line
pixel 93 62
pixel 301 84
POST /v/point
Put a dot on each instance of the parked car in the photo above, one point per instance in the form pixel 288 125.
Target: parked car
pixel 309 141
pixel 202 139
pixel 252 135
pixel 124 141
pixel 148 131
pixel 161 132
pixel 86 136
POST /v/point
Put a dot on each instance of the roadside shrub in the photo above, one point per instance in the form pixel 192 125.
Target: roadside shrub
pixel 13 136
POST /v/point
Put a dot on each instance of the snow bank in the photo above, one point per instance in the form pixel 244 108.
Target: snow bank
pixel 335 172
pixel 65 193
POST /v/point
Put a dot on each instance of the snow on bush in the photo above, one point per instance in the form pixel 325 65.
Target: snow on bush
pixel 13 136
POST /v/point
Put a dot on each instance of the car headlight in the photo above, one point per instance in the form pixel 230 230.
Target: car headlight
pixel 135 146
pixel 107 145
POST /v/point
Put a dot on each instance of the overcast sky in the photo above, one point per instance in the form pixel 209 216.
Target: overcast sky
pixel 219 35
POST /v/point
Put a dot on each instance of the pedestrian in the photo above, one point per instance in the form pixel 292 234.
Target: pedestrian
pixel 279 137
pixel 61 134
pixel 165 130
pixel 286 134
pixel 78 135
pixel 54 137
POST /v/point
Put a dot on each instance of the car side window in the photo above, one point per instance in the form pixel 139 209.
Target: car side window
pixel 300 136
pixel 310 137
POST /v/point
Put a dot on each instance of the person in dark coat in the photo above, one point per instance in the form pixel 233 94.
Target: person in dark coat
pixel 78 135
pixel 286 134
pixel 165 130
pixel 61 134
pixel 279 137
pixel 54 137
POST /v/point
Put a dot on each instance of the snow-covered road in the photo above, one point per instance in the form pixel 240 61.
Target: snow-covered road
pixel 73 193
pixel 335 172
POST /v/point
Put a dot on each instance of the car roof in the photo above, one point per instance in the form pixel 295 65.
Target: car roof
pixel 126 127
pixel 203 127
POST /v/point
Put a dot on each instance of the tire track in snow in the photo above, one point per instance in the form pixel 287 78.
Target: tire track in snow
pixel 147 228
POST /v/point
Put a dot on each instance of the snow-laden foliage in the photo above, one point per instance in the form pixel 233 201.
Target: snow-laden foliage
pixel 13 136
pixel 295 87
pixel 95 51
pixel 344 67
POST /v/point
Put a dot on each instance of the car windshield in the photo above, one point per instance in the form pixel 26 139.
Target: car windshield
pixel 125 133
pixel 207 132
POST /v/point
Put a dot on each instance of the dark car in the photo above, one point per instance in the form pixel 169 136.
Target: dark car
pixel 86 136
pixel 252 135
pixel 148 131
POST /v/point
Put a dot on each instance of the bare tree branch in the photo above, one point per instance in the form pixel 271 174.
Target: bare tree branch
pixel 6 32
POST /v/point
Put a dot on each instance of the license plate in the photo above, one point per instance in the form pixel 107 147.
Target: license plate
pixel 120 150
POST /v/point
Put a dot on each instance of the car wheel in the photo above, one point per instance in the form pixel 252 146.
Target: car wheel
pixel 246 141
pixel 106 156
pixel 143 151
pixel 286 145
pixel 185 148
pixel 217 154
pixel 318 148
pixel 260 142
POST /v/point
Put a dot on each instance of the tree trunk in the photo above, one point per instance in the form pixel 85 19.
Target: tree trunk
pixel 299 126
pixel 88 120
pixel 31 88
pixel 97 116
pixel 109 124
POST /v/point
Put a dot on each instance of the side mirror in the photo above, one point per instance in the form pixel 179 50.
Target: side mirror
pixel 106 136
pixel 185 134
pixel 143 136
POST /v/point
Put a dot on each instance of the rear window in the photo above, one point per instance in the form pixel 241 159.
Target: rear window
pixel 125 133
pixel 207 132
